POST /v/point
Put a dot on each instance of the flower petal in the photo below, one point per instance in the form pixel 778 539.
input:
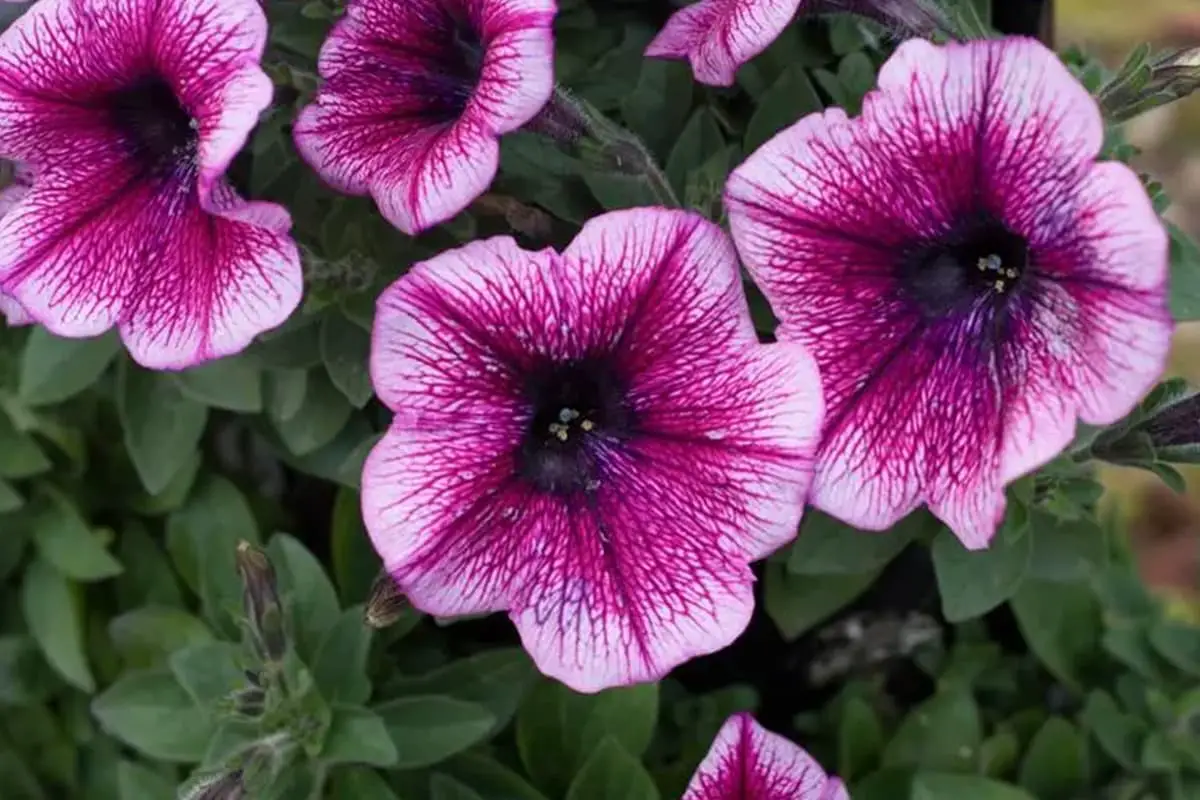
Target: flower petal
pixel 648 566
pixel 396 120
pixel 94 248
pixel 748 761
pixel 718 36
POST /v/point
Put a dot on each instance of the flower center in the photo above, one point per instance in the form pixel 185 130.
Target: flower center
pixel 576 406
pixel 979 259
pixel 443 68
pixel 155 127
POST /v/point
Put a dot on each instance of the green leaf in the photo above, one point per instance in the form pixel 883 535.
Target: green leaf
pixel 24 680
pixel 658 106
pixel 943 733
pixel 973 582
pixel 340 666
pixel 617 190
pixel 1055 766
pixel 150 712
pixel 136 782
pixel 162 427
pixel 202 537
pixel 10 499
pixel 295 345
pixel 148 578
pixel 558 729
pixel 345 349
pixel 442 787
pixel 358 736
pixel 66 542
pixel 856 74
pixel 285 390
pixel 789 99
pixel 20 454
pixel 1185 275
pixel 426 730
pixel 999 753
pixel 232 383
pixel 1061 625
pixel 797 603
pixel 828 546
pixel 932 786
pixel 17 778
pixel 1119 734
pixel 489 777
pixel 355 563
pixel 860 738
pixel 360 784
pixel 208 671
pixel 610 773
pixel 698 142
pixel 1065 550
pixel 54 369
pixel 1179 644
pixel 495 679
pixel 319 419
pixel 173 495
pixel 54 616
pixel 310 597
pixel 144 637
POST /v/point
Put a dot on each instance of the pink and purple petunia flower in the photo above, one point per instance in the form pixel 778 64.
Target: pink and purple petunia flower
pixel 416 95
pixel 967 275
pixel 748 762
pixel 129 113
pixel 592 440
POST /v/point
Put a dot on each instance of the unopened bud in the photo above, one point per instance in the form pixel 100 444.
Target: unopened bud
pixel 1145 83
pixel 222 786
pixel 386 604
pixel 260 598
pixel 249 702
pixel 1175 431
pixel 900 18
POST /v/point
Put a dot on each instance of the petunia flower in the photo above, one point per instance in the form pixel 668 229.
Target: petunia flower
pixel 718 36
pixel 747 762
pixel 129 113
pixel 18 186
pixel 967 275
pixel 593 441
pixel 416 95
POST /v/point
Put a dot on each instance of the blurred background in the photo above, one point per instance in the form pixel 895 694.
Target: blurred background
pixel 1164 526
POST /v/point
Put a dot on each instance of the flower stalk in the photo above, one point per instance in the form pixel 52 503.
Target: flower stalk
pixel 602 144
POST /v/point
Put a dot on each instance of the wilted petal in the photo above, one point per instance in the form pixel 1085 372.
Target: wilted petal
pixel 967 277
pixel 416 95
pixel 129 112
pixel 718 36
pixel 748 762
pixel 592 441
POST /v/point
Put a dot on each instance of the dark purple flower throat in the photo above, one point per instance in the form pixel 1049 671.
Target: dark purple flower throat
pixel 979 258
pixel 155 127
pixel 575 406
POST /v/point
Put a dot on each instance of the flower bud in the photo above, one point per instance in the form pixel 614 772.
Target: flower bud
pixel 260 599
pixel 221 786
pixel 386 603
